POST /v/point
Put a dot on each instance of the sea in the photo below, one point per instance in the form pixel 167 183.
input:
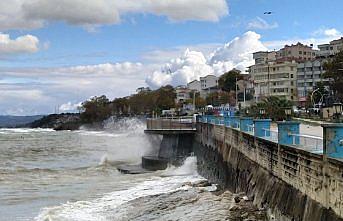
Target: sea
pixel 48 175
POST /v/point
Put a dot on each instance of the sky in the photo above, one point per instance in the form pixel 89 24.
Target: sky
pixel 55 54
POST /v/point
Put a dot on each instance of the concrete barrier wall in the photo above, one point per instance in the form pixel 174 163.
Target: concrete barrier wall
pixel 313 183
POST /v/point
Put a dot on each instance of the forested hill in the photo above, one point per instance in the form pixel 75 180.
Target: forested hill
pixel 16 121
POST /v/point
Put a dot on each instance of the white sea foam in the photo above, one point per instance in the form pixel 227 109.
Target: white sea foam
pixel 25 130
pixel 102 209
pixel 189 167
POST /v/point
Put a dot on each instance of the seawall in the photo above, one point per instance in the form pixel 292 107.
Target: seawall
pixel 292 183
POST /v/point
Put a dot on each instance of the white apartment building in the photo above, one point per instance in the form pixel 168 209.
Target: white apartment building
pixel 209 84
pixel 205 86
pixel 194 85
pixel 274 79
pixel 328 50
pixel 308 75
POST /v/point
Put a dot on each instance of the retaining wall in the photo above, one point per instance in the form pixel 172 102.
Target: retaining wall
pixel 292 183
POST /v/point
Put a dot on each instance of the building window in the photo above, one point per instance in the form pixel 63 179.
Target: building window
pixel 300 52
pixel 291 75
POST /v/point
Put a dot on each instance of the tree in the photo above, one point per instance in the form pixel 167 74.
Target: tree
pixel 227 81
pixel 318 96
pixel 96 109
pixel 334 72
pixel 274 107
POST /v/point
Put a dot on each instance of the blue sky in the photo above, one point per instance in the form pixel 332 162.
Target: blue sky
pixel 69 50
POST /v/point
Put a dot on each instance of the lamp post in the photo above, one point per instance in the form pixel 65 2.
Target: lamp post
pixel 337 111
pixel 247 112
pixel 288 112
pixel 262 112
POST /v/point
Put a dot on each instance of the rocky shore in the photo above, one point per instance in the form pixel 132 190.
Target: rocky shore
pixel 67 121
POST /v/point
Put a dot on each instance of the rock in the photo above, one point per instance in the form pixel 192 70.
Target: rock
pixel 235 208
pixel 237 199
pixel 202 183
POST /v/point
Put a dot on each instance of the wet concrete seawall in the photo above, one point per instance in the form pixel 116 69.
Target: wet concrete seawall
pixel 293 184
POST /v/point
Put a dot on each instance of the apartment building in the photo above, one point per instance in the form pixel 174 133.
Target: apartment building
pixel 309 74
pixel 182 94
pixel 275 72
pixel 298 52
pixel 194 85
pixel 274 79
pixel 205 86
pixel 329 50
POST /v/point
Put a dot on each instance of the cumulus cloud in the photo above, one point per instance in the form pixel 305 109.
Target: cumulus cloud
pixel 28 14
pixel 22 44
pixel 66 85
pixel 193 65
pixel 260 23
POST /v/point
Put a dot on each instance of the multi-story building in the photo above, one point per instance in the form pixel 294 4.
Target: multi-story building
pixel 194 86
pixel 275 72
pixel 309 74
pixel 209 84
pixel 329 50
pixel 182 94
pixel 298 52
pixel 143 89
pixel 274 79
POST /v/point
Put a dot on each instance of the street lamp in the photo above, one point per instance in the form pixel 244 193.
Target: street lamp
pixel 337 110
pixel 247 112
pixel 288 112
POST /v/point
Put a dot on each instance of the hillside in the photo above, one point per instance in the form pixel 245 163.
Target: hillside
pixel 17 121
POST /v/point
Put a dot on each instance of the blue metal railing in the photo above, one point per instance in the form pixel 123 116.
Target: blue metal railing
pixel 301 141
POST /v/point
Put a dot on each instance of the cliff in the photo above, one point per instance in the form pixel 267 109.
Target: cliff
pixel 66 121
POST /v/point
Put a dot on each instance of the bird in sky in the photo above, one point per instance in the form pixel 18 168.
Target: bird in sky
pixel 268 13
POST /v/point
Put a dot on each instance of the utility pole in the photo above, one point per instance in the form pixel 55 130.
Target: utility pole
pixel 236 94
pixel 194 100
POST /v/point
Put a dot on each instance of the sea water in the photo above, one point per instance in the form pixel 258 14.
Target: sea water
pixel 72 176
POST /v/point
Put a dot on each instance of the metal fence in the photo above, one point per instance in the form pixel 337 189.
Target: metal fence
pixel 308 142
pixel 182 123
pixel 271 134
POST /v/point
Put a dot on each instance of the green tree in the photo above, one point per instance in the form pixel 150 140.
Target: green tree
pixel 227 81
pixel 334 72
pixel 274 107
pixel 96 109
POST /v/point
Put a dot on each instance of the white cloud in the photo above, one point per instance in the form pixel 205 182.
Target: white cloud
pixel 328 32
pixel 69 107
pixel 259 23
pixel 237 53
pixel 55 86
pixel 193 65
pixel 29 14
pixel 320 36
pixel 22 44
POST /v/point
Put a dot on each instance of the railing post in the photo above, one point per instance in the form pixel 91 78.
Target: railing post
pixel 244 122
pixel 234 123
pixel 285 131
